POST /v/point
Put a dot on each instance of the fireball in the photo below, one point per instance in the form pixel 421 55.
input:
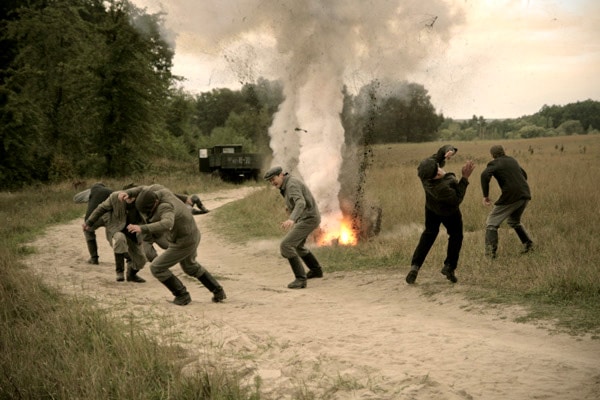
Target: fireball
pixel 345 236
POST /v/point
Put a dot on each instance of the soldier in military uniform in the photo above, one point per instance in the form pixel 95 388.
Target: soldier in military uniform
pixel 165 214
pixel 125 245
pixel 93 197
pixel 303 219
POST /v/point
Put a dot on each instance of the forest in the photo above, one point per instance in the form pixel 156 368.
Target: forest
pixel 87 90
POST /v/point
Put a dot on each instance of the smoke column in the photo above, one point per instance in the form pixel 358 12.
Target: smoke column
pixel 315 47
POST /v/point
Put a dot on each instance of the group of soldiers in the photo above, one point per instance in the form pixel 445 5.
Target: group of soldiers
pixel 138 217
pixel 444 193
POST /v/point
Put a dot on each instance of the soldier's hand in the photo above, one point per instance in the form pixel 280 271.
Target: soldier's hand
pixel 132 228
pixel 468 168
pixel 123 196
pixel 287 224
pixel 487 201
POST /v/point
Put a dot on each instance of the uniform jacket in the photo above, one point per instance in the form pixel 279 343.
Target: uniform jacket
pixel 298 199
pixel 443 196
pixel 171 217
pixel 511 178
pixel 117 214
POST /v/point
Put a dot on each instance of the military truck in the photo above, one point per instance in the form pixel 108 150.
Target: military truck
pixel 229 162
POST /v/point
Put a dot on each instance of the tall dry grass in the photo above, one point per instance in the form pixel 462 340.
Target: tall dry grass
pixel 559 280
pixel 59 347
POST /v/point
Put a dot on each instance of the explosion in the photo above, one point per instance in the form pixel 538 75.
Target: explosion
pixel 346 235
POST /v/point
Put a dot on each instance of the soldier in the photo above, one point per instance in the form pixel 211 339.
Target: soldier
pixel 125 244
pixel 303 218
pixel 165 214
pixel 93 196
pixel 515 196
pixel 160 240
pixel 443 196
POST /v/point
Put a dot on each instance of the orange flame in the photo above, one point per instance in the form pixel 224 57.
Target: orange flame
pixel 345 236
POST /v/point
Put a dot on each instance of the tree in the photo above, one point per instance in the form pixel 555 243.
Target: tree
pixel 80 80
pixel 571 127
pixel 213 108
pixel 396 112
pixel 49 86
pixel 180 120
pixel 134 81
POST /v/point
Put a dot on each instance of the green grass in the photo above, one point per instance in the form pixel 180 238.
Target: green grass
pixel 61 347
pixel 559 281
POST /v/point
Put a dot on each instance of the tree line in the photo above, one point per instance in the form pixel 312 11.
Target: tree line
pixel 579 118
pixel 86 89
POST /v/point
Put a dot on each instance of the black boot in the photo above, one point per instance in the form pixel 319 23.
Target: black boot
pixel 198 203
pixel 120 266
pixel 92 246
pixel 524 238
pixel 211 284
pixel 491 243
pixel 299 273
pixel 315 270
pixel 411 277
pixel 132 275
pixel 182 297
pixel 448 271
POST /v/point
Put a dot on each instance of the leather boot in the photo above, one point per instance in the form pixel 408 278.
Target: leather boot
pixel 213 286
pixel 315 270
pixel 524 238
pixel 198 203
pixel 491 243
pixel 182 297
pixel 411 277
pixel 92 246
pixel 120 266
pixel 299 273
pixel 448 271
pixel 132 275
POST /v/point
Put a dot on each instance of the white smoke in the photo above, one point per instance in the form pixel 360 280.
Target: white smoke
pixel 317 46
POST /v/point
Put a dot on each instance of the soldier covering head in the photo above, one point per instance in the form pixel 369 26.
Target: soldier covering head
pixel 145 201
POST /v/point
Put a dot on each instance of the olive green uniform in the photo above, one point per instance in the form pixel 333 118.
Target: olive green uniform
pixel 118 214
pixel 173 220
pixel 303 211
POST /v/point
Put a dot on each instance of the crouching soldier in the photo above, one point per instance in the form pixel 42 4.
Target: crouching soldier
pixel 118 215
pixel 165 214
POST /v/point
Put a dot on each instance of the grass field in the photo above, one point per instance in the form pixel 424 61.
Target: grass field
pixel 559 280
pixel 58 347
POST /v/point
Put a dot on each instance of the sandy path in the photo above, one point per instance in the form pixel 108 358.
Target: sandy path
pixel 347 336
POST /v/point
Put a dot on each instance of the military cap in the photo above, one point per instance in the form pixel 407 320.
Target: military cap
pixel 273 172
pixel 428 169
pixel 145 201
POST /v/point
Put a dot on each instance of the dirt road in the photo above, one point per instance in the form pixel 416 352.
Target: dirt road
pixel 347 336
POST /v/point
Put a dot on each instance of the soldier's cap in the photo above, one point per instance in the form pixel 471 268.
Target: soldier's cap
pixel 145 201
pixel 427 169
pixel 273 172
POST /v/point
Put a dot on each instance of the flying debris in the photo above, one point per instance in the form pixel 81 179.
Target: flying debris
pixel 431 21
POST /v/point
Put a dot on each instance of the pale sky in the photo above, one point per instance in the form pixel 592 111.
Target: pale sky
pixel 493 58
